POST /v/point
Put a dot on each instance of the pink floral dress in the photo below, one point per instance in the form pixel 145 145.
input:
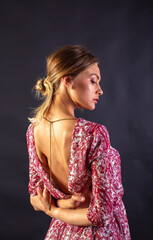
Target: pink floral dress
pixel 92 159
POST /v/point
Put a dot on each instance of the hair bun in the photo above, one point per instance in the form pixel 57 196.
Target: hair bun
pixel 40 85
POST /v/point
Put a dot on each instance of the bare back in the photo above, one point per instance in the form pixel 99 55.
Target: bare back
pixel 61 137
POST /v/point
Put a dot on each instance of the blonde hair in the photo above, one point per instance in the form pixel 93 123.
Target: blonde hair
pixel 66 61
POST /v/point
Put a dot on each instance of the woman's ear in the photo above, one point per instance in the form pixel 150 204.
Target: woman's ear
pixel 66 80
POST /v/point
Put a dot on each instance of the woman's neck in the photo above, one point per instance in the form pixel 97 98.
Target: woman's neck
pixel 60 107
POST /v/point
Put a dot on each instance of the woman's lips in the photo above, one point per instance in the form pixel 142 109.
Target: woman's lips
pixel 96 100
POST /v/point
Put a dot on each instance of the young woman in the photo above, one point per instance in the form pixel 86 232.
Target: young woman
pixel 75 175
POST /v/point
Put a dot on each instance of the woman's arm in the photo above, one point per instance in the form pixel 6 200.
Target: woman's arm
pixel 70 216
pixel 74 201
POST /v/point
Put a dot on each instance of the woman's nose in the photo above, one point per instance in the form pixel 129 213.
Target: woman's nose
pixel 100 91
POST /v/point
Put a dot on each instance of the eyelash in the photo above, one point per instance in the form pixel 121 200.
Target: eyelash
pixel 92 81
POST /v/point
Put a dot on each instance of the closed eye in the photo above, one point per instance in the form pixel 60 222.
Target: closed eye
pixel 93 82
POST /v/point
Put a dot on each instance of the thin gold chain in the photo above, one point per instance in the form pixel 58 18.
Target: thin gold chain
pixel 50 199
pixel 72 118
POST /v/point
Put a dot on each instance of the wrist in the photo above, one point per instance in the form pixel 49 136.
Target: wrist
pixel 53 212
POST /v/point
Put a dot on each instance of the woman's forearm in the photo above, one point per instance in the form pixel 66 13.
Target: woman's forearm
pixel 71 216
pixel 63 203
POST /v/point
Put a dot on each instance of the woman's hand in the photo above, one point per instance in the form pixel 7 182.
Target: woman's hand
pixel 76 201
pixel 73 202
pixel 41 201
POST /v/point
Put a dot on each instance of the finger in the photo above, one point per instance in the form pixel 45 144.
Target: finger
pixel 45 193
pixel 82 198
pixel 78 198
pixel 39 191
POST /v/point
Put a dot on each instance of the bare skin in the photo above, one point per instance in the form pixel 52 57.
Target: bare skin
pixel 70 216
pixel 82 92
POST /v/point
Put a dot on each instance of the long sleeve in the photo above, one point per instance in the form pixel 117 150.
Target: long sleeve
pixel 34 179
pixel 100 211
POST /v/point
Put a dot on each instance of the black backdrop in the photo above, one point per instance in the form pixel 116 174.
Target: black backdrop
pixel 120 33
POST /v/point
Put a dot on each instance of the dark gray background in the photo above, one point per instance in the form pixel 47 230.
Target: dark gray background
pixel 120 33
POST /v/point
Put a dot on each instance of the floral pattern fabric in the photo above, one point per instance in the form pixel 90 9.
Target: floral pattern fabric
pixel 94 160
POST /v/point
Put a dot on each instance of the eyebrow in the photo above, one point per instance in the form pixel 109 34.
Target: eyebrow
pixel 95 75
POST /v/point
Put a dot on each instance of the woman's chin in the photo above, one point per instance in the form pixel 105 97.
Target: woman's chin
pixel 90 108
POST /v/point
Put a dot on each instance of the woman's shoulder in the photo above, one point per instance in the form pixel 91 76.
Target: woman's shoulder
pixel 93 127
pixel 96 132
pixel 31 127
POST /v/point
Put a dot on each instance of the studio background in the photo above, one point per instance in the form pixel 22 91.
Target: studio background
pixel 120 34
